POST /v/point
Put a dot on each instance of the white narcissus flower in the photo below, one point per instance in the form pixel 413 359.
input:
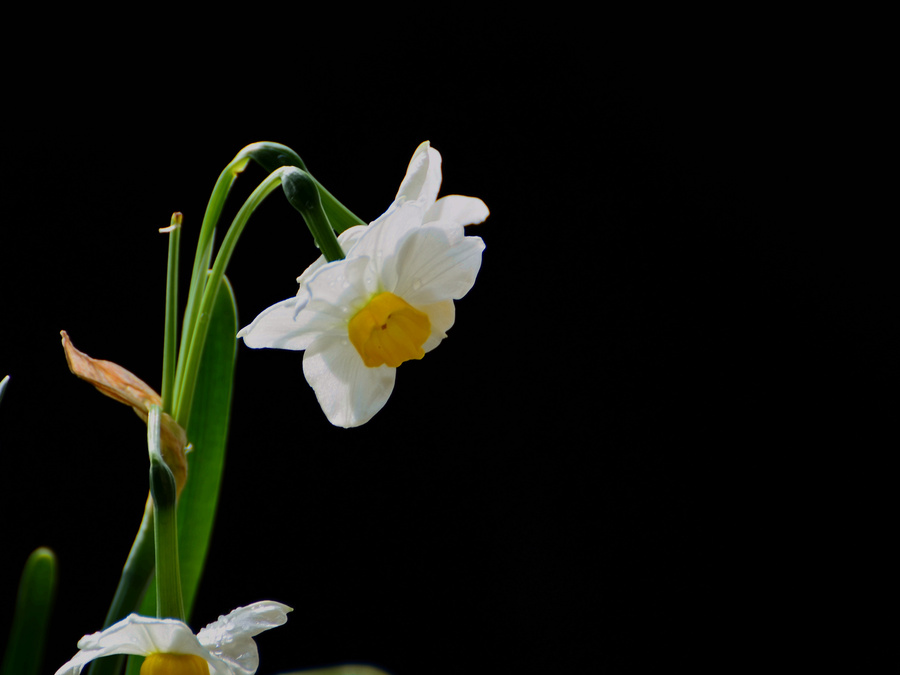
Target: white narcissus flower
pixel 224 647
pixel 388 301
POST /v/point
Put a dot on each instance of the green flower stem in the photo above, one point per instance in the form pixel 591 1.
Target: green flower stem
pixel 202 259
pixel 171 316
pixel 340 217
pixel 169 601
pixel 302 192
pixel 136 577
pixel 191 353
pixel 271 156
pixel 136 573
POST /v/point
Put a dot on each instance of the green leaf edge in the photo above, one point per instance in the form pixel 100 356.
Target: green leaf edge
pixel 34 603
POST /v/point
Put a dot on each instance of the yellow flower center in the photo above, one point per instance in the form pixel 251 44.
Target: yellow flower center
pixel 389 331
pixel 174 664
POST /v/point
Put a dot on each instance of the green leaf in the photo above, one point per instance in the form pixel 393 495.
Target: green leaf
pixel 37 590
pixel 207 432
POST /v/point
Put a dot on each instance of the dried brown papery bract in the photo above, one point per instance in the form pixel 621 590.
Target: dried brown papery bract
pixel 122 385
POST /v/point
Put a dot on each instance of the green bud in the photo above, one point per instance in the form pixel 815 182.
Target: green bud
pixel 302 192
pixel 162 484
pixel 169 599
pixel 271 156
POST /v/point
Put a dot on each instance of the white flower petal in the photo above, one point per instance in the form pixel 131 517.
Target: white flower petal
pixel 323 306
pixel 138 635
pixel 230 638
pixel 76 664
pixel 349 393
pixel 347 239
pixel 423 177
pixel 384 235
pixel 460 209
pixel 441 315
pixel 340 289
pixel 274 328
pixel 430 268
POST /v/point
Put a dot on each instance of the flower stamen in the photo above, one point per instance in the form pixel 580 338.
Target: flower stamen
pixel 389 331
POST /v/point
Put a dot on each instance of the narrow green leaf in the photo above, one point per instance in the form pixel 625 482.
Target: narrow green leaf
pixel 207 431
pixel 37 590
pixel 170 332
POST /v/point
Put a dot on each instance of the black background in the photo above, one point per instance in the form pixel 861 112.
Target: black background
pixel 638 444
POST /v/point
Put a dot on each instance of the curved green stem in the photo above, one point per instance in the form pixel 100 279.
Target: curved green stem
pixel 204 254
pixel 196 332
pixel 272 156
pixel 340 217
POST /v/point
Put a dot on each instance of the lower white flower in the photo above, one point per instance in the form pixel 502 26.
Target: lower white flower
pixel 224 647
pixel 390 300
